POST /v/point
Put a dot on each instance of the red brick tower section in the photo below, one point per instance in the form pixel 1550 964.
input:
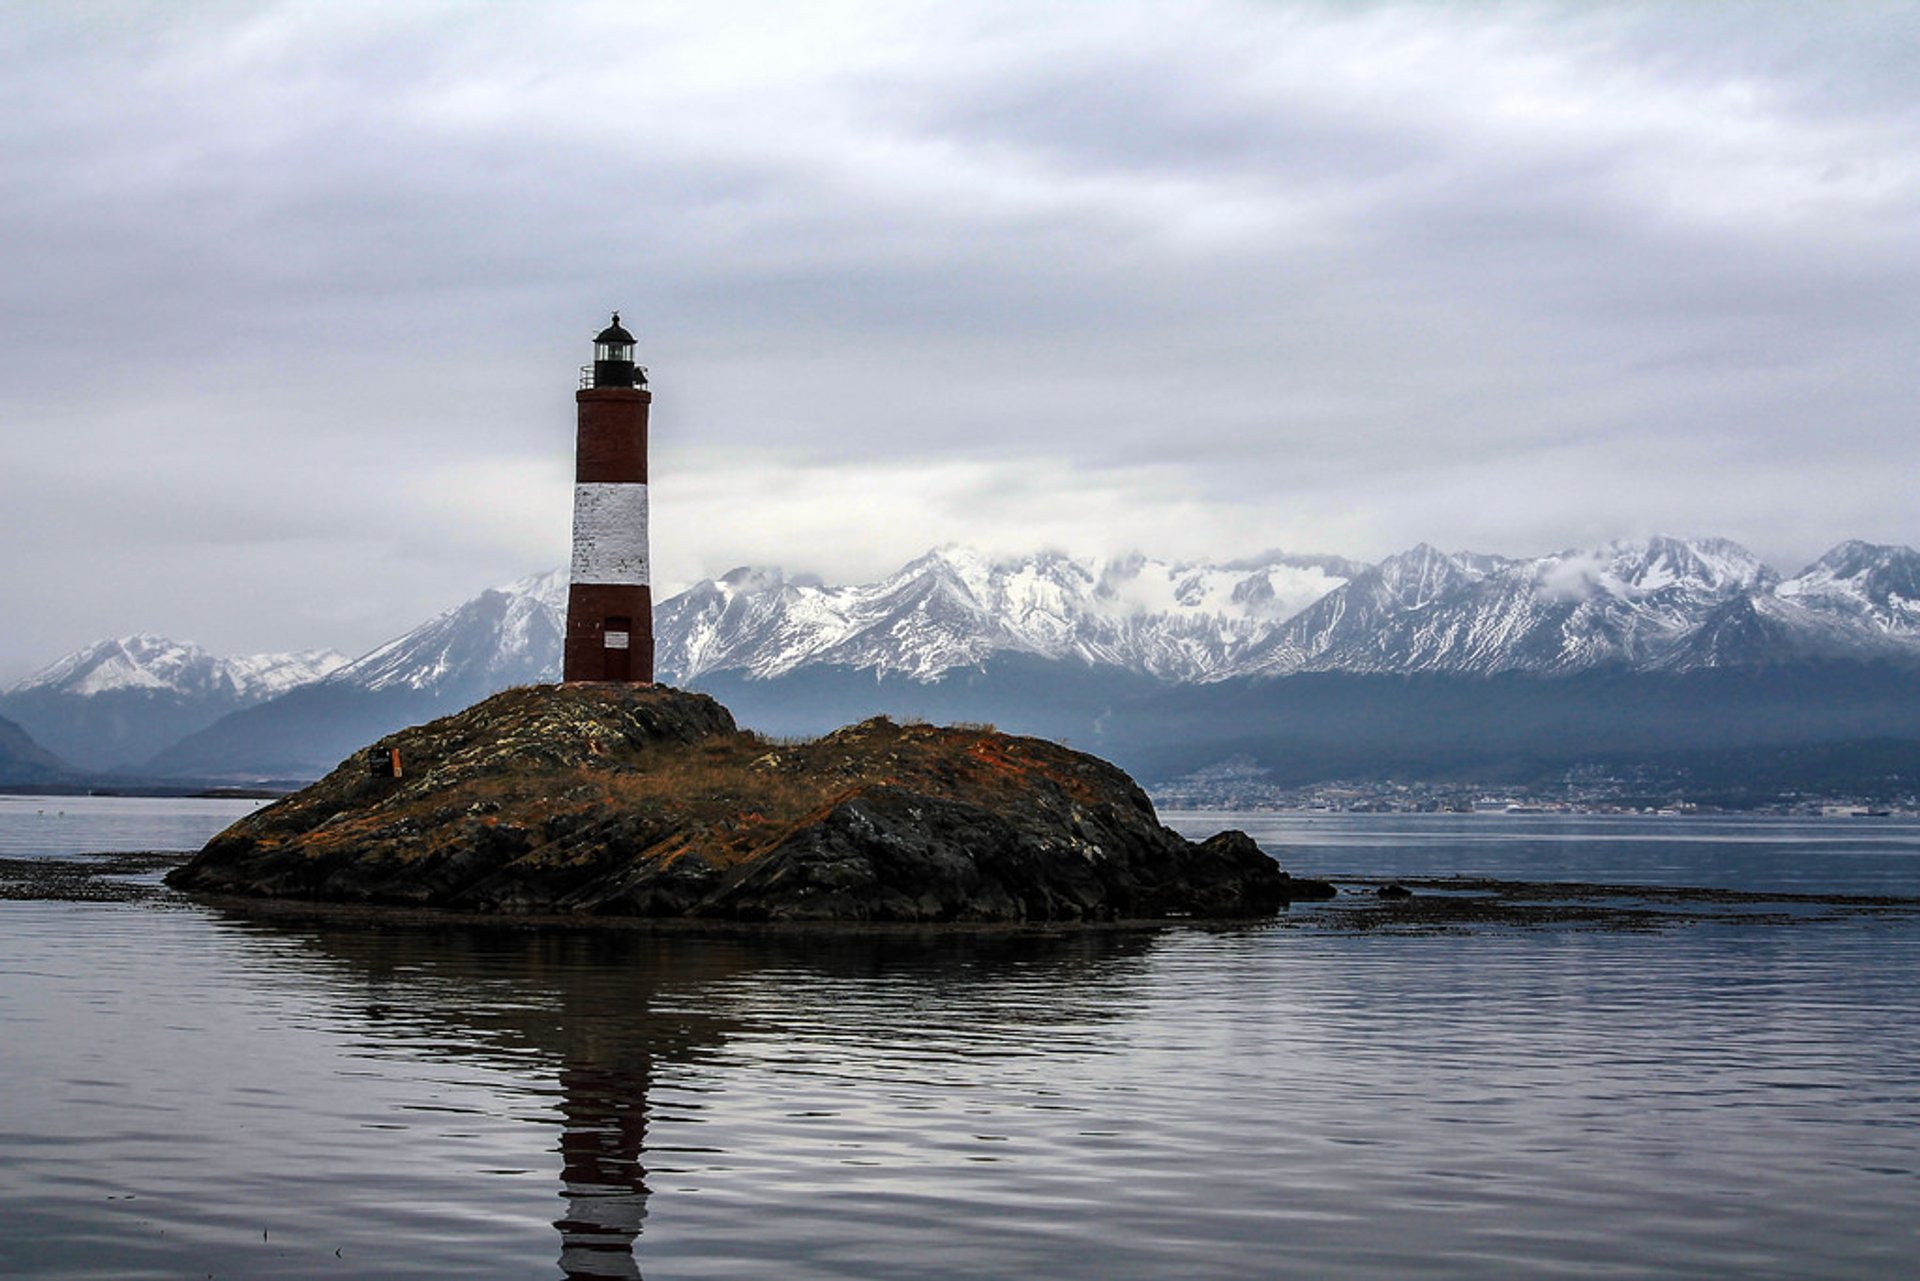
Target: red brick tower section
pixel 610 597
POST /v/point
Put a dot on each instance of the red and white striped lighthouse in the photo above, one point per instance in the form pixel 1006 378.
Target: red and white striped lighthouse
pixel 610 598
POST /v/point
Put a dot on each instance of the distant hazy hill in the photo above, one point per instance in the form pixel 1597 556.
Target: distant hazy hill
pixel 1315 726
pixel 23 761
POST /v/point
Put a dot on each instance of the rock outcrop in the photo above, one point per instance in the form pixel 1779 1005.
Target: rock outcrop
pixel 648 801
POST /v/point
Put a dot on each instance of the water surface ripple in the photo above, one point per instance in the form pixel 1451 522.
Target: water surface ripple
pixel 192 1092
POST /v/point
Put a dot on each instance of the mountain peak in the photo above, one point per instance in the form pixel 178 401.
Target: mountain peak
pixel 141 660
pixel 1717 565
pixel 546 583
pixel 1421 574
pixel 1871 585
pixel 1857 559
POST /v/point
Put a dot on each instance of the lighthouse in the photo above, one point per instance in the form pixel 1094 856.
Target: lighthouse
pixel 610 597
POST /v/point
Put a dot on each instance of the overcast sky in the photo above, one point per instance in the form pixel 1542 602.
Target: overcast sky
pixel 294 295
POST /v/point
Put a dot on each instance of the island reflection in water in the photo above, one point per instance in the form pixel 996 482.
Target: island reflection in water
pixel 190 1092
pixel 605 1013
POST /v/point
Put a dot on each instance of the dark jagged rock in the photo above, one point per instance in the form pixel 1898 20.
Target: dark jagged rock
pixel 622 800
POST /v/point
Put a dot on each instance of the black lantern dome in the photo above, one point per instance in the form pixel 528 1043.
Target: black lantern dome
pixel 613 358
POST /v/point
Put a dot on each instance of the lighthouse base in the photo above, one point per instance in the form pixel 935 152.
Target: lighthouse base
pixel 609 634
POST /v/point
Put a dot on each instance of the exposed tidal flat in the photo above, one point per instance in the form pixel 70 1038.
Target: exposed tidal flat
pixel 193 1090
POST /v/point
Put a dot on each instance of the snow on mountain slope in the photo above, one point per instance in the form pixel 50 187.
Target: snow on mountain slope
pixel 1864 584
pixel 1662 603
pixel 258 677
pixel 505 636
pixel 1369 622
pixel 1659 603
pixel 157 664
pixel 955 607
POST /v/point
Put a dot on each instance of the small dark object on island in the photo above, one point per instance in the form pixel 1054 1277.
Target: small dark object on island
pixel 383 762
pixel 1394 891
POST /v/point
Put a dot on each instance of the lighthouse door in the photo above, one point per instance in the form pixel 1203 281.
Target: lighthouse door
pixel 617 657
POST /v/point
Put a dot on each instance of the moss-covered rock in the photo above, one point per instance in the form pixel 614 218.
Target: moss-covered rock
pixel 648 801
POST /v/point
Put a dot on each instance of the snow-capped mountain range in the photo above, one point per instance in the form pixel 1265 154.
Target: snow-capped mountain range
pixel 1660 604
pixel 954 607
pixel 148 662
pixel 118 701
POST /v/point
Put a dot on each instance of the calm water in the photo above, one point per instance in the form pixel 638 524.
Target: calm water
pixel 185 1092
pixel 1814 856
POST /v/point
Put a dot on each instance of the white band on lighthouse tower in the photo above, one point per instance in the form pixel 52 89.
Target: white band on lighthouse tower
pixel 610 534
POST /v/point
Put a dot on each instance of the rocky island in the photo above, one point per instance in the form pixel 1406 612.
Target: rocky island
pixel 646 801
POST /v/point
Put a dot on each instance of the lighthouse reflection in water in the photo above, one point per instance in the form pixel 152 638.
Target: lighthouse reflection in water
pixel 605 1116
pixel 598 1011
pixel 603 1017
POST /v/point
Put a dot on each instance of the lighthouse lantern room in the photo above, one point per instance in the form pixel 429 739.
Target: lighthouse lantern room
pixel 610 597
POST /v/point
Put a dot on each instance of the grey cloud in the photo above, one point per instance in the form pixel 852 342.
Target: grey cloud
pixel 1513 277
